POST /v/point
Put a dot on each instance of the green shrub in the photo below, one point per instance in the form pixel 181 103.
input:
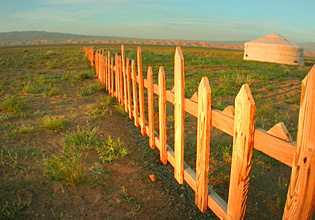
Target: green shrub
pixel 110 150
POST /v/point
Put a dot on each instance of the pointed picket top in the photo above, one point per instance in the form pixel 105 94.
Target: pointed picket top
pixel 179 53
pixel 243 142
pixel 229 111
pixel 280 131
pixel 194 97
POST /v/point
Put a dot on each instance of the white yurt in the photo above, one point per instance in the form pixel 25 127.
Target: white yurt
pixel 274 48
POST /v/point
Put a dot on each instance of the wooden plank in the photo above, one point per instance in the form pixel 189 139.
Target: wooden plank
pixel 243 142
pixel 217 205
pixel 121 81
pixel 264 142
pixel 112 75
pixel 92 57
pixel 141 92
pixel 129 103
pixel 124 77
pixel 280 131
pixel 104 70
pixel 116 76
pixel 125 90
pixel 179 115
pixel 108 73
pixel 162 116
pixel 134 93
pixel 300 202
pixel 150 108
pixel 203 144
pixel 96 63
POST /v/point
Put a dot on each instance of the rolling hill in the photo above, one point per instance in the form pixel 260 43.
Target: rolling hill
pixel 42 38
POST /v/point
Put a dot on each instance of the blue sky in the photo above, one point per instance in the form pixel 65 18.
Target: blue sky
pixel 174 19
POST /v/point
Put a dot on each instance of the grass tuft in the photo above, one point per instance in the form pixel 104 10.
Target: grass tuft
pixel 52 123
pixel 9 210
pixel 11 104
pixel 89 90
pixel 68 167
pixel 83 137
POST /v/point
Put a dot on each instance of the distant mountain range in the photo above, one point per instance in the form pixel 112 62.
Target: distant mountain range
pixel 24 36
pixel 42 37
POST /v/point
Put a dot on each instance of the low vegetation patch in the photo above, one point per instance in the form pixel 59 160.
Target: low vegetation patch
pixel 52 123
pixel 90 89
pixel 110 150
pixel 11 104
pixel 69 166
pixel 83 137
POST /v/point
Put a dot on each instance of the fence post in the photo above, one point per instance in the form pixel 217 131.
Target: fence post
pixel 112 75
pixel 300 202
pixel 128 89
pixel 96 63
pixel 203 144
pixel 150 108
pixel 92 57
pixel 121 82
pixel 179 115
pixel 123 73
pixel 243 140
pixel 116 76
pixel 125 88
pixel 162 116
pixel 108 73
pixel 105 79
pixel 134 93
pixel 141 92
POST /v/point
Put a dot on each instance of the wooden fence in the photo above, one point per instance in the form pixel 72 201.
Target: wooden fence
pixel 121 78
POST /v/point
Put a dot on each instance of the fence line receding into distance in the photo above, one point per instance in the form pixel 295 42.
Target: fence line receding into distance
pixel 120 78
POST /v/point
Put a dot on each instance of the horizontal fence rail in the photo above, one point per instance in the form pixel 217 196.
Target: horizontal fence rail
pixel 121 80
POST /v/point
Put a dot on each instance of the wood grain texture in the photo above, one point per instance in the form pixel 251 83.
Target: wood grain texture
pixel 129 102
pixel 125 89
pixel 141 92
pixel 268 144
pixel 124 77
pixel 243 142
pixel 203 144
pixel 116 76
pixel 150 108
pixel 134 93
pixel 179 115
pixel 112 75
pixel 96 64
pixel 300 202
pixel 162 116
pixel 105 80
pixel 108 73
pixel 121 81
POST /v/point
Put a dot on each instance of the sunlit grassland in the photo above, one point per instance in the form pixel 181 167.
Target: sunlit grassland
pixel 33 80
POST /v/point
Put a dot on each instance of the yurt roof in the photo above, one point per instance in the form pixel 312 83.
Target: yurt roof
pixel 275 39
